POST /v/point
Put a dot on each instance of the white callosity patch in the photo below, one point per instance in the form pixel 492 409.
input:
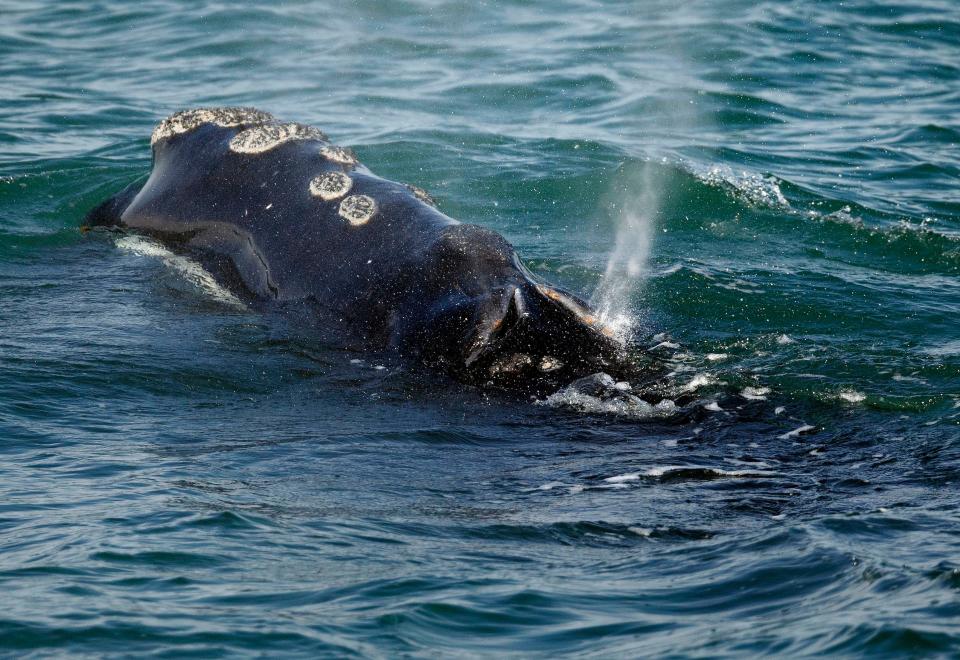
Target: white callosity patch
pixel 421 194
pixel 548 363
pixel 357 209
pixel 330 186
pixel 340 155
pixel 510 365
pixel 269 136
pixel 188 120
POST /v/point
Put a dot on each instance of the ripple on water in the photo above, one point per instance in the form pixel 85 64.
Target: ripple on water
pixel 182 476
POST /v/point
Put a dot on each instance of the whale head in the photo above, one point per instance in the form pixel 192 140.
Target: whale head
pixel 483 317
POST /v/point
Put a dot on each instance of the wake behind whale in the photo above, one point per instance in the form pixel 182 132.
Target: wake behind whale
pixel 285 220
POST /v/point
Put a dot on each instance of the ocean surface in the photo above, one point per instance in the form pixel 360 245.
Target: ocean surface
pixel 772 187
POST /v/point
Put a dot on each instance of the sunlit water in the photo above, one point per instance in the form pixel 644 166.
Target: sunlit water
pixel 181 475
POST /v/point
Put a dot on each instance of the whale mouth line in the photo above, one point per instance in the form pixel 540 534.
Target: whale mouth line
pixel 538 334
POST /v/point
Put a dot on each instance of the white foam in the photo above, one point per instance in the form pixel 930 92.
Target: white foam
pixel 190 270
pixel 753 464
pixel 665 470
pixel 755 393
pixel 665 344
pixel 908 379
pixel 713 357
pixel 627 406
pixel 786 339
pixel 841 217
pixel 754 188
pixel 600 394
pixel 641 531
pixel 851 396
pixel 698 381
pixel 550 486
pixel 618 326
pixel 621 478
pixel 949 348
pixel 796 432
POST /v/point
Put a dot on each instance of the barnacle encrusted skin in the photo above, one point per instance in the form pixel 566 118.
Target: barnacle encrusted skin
pixel 269 136
pixel 185 121
pixel 357 209
pixel 330 186
pixel 421 194
pixel 341 155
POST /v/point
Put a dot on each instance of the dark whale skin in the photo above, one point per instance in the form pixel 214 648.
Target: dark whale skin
pixel 407 278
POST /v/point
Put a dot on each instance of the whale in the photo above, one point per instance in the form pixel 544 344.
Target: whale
pixel 289 221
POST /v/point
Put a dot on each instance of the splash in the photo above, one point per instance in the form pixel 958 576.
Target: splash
pixel 190 271
pixel 640 204
pixel 600 394
pixel 751 187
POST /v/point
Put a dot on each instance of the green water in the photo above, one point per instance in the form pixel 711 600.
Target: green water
pixel 180 477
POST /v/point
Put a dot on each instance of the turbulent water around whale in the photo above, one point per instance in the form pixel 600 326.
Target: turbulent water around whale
pixel 766 194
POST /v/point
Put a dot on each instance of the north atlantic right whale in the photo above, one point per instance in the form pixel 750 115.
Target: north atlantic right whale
pixel 287 220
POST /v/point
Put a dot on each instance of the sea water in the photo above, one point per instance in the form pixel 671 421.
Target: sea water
pixel 181 475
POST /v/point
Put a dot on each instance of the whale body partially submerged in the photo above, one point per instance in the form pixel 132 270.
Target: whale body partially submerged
pixel 283 218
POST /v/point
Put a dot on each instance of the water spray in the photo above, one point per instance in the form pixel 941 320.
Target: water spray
pixel 639 202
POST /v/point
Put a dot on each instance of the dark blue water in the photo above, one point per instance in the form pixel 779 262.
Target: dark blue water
pixel 181 477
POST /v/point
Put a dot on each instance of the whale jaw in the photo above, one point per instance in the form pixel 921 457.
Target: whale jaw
pixel 522 335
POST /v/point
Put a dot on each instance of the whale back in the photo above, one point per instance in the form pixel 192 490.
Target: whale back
pixel 288 221
pixel 283 217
